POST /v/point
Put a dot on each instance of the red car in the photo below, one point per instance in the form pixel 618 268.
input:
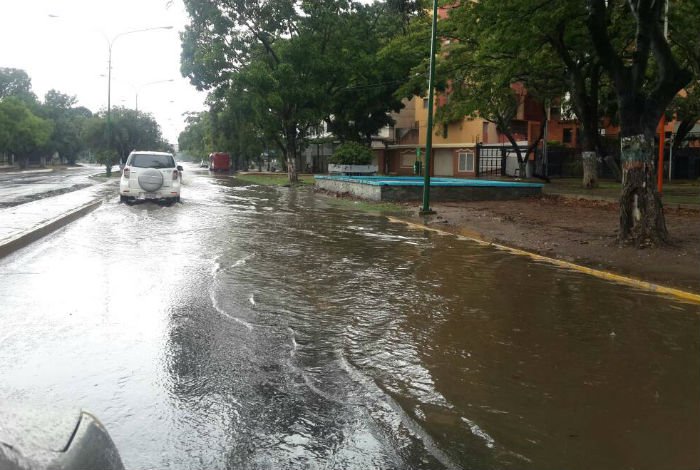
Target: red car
pixel 219 161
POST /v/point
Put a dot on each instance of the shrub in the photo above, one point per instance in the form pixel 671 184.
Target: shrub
pixel 351 153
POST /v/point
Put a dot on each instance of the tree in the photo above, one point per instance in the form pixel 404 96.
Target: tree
pixel 297 64
pixel 196 138
pixel 352 153
pixel 360 88
pixel 486 72
pixel 131 130
pixel 243 41
pixel 22 133
pixel 646 76
pixel 544 46
pixel 685 40
pixel 15 82
pixel 69 122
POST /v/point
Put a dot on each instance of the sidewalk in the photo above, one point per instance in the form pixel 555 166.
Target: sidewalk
pixel 25 223
pixel 682 194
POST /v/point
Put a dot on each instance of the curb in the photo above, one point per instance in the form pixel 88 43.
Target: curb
pixel 25 238
pixel 607 275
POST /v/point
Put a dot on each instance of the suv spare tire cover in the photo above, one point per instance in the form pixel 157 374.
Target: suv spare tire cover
pixel 150 179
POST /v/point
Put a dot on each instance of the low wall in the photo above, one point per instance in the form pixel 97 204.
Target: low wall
pixel 460 193
pixel 437 193
pixel 363 191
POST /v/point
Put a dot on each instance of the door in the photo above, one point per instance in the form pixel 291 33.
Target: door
pixel 443 162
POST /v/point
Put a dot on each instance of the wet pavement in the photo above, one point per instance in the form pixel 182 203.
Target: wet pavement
pixel 19 187
pixel 24 220
pixel 253 327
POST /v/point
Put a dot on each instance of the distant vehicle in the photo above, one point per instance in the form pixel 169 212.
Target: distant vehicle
pixel 203 164
pixel 150 175
pixel 219 161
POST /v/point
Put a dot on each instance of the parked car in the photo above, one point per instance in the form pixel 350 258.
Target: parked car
pixel 219 161
pixel 150 175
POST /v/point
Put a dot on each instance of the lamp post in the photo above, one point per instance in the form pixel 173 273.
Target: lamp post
pixel 109 74
pixel 425 210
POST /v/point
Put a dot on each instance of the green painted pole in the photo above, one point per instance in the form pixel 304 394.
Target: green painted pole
pixel 429 131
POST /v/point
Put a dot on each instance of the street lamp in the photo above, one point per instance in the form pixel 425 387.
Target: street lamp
pixel 109 74
pixel 110 43
pixel 426 210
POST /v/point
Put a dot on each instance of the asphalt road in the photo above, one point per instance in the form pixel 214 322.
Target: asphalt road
pixel 267 328
pixel 18 187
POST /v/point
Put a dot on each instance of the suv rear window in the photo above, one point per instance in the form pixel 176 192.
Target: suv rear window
pixel 149 160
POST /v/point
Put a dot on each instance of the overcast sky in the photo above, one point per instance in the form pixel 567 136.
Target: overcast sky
pixel 69 52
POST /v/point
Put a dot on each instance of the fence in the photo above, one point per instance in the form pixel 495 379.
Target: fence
pixel 565 162
pixel 492 160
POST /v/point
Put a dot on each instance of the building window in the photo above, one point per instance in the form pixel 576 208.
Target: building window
pixel 466 161
pixel 425 103
pixel 567 136
pixel 407 160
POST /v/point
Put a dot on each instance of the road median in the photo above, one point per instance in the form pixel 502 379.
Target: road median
pixel 26 223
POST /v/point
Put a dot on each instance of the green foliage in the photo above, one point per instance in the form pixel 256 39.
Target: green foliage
pixel 272 180
pixel 15 82
pixel 131 130
pixel 22 133
pixel 29 128
pixel 277 69
pixel 196 138
pixel 493 51
pixel 646 70
pixel 69 124
pixel 108 158
pixel 351 153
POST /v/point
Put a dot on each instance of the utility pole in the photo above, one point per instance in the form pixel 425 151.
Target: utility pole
pixel 425 210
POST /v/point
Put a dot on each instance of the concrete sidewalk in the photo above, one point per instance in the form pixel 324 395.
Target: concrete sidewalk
pixel 25 223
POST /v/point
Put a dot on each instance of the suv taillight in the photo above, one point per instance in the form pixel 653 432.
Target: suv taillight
pixel 175 173
pixel 126 172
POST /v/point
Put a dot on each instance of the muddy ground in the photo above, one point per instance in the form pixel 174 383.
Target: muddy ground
pixel 579 231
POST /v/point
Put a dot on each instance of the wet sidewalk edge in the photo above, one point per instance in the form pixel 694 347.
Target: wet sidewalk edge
pixel 607 275
pixel 27 237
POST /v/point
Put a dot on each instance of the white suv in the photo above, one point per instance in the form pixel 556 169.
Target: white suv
pixel 150 175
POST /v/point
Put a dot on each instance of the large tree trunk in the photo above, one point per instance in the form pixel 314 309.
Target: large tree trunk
pixel 290 153
pixel 292 170
pixel 641 212
pixel 590 169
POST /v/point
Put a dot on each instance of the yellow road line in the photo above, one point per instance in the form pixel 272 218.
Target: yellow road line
pixel 607 275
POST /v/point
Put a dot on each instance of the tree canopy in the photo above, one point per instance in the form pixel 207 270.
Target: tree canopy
pixel 22 133
pixel 295 64
pixel 30 128
pixel 131 130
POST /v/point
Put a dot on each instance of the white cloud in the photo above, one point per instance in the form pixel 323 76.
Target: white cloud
pixel 62 44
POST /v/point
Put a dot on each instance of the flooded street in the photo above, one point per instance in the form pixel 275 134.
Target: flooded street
pixel 264 328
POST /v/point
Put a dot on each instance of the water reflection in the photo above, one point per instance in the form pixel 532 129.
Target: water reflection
pixel 464 355
pixel 258 328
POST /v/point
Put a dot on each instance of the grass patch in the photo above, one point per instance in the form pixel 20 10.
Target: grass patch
pixel 683 192
pixel 279 179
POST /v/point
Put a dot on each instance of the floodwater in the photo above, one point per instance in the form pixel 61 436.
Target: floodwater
pixel 263 328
